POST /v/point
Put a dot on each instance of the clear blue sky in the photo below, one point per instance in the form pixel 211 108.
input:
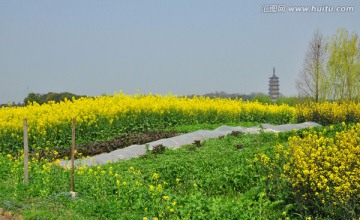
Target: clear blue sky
pixel 92 47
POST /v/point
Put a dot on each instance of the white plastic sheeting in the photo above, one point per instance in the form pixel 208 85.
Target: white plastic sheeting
pixel 181 140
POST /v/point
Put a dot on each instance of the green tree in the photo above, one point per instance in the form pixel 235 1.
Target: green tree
pixel 292 101
pixel 344 65
pixel 32 97
pixel 51 96
pixel 262 98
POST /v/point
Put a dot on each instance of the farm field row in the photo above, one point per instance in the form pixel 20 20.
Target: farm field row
pixel 106 117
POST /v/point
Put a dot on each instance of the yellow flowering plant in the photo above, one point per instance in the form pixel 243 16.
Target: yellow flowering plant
pixel 323 169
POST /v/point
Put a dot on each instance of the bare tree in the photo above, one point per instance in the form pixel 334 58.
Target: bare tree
pixel 311 80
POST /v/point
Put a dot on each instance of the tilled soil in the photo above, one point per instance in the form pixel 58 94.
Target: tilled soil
pixel 98 147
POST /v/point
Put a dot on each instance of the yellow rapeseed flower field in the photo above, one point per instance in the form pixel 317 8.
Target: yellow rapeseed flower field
pixel 50 124
pixel 328 112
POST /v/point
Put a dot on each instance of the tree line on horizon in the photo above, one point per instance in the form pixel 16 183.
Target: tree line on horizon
pixel 50 96
pixel 58 97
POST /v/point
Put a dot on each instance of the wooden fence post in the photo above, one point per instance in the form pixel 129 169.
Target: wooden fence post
pixel 72 186
pixel 26 153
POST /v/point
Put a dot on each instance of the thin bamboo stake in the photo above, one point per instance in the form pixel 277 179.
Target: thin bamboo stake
pixel 72 187
pixel 26 153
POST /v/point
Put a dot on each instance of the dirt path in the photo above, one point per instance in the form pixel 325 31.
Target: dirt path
pixel 8 215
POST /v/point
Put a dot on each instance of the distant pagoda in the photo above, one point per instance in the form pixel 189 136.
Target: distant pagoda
pixel 274 86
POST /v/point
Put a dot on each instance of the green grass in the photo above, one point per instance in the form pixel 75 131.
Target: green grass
pixel 214 181
pixel 232 177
